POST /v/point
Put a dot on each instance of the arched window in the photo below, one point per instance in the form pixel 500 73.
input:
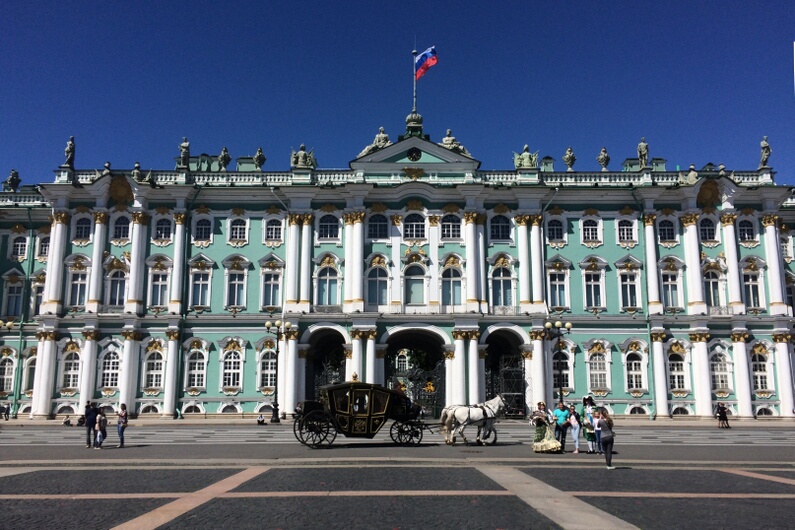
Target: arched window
pixel 327 286
pixel 117 284
pixel 163 229
pixel 500 228
pixel 414 282
pixel 328 227
pixel 44 247
pixel 237 230
pixel 83 228
pixel 192 409
pixel 267 377
pixel 712 289
pixel 560 370
pixel 764 411
pixel 666 230
pixel 229 409
pixel 71 370
pixel 745 230
pixel 680 411
pixel 719 368
pixel 231 369
pixel 203 230
pixel 110 370
pixel 196 372
pixel 676 372
pixel 154 370
pixel 273 230
pixel 598 371
pixel 626 231
pixel 707 229
pixel 555 230
pixel 149 409
pixel 377 293
pixel 502 287
pixel 634 372
pixel 451 287
pixel 760 372
pixel 637 410
pixel 6 374
pixel 590 230
pixel 29 375
pixel 414 227
pixel 19 247
pixel 121 228
pixel 451 227
pixel 402 363
pixel 378 227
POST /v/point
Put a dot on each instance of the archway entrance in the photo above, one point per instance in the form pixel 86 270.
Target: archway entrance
pixel 325 362
pixel 505 372
pixel 415 361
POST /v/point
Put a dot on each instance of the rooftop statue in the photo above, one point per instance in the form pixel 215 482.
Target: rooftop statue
pixel 381 140
pixel 525 159
pixel 224 159
pixel 603 158
pixel 765 153
pixel 569 159
pixel 184 152
pixel 12 182
pixel 259 158
pixel 303 159
pixel 643 153
pixel 69 152
pixel 452 144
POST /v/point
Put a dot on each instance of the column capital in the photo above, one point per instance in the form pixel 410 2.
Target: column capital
pixel 306 219
pixel 433 220
pixel 658 336
pixel 101 218
pixel 61 217
pixel 728 219
pixel 740 336
pixel 649 219
pixel 172 334
pixel 528 354
pixel 91 334
pixel 470 217
pixel 689 219
pixel 180 218
pixel 295 219
pixel 129 334
pixel 769 220
pixel 140 218
pixel 538 334
pixel 781 338
pixel 700 336
pixel 292 334
pixel 521 220
pixel 396 219
pixel 47 335
pixel 449 355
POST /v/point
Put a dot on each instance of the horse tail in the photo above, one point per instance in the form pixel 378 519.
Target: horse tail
pixel 443 420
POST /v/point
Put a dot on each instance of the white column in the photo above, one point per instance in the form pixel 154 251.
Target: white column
pixel 732 264
pixel 660 375
pixel 449 359
pixel 527 359
pixel 475 377
pixel 349 369
pixel 695 282
pixel 306 263
pixel 742 375
pixel 55 267
pixel 172 365
pixel 88 366
pixel 97 253
pixel 481 266
pixel 370 375
pixel 784 374
pixel 135 288
pixel 291 378
pixel 655 306
pixel 470 240
pixel 538 368
pixel 45 374
pixel 291 269
pixel 348 244
pixel 128 373
pixel 301 388
pixel 178 268
pixel 523 244
pixel 458 381
pixel 356 352
pixel 357 261
pixel 396 300
pixel 702 382
pixel 774 276
pixel 537 259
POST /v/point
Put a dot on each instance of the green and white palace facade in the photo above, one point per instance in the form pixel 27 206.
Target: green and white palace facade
pixel 412 267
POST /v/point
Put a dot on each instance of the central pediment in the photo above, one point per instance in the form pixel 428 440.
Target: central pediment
pixel 415 153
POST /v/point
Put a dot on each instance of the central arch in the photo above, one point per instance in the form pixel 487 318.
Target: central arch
pixel 414 360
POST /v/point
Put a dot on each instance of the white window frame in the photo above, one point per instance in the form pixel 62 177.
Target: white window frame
pixel 415 227
pixel 386 224
pixel 509 227
pixel 6 378
pixel 13 285
pixel 237 223
pixel 557 243
pixel 154 369
pixel 158 264
pixel 642 370
pixel 162 219
pixel 415 277
pixel 28 373
pixel 768 372
pixel 715 226
pixel 274 220
pixel 202 243
pixel 81 241
pixel 193 270
pixel 627 284
pixel 108 367
pixel 320 277
pixel 235 374
pixel 449 283
pixel 369 281
pixel 598 231
pixel 593 266
pixel 453 227
pixel 234 266
pixel 109 281
pixel 633 232
pixel 42 250
pixel 668 243
pixel 328 239
pixel 18 247
pixel 192 372
pixel 266 367
pixel 119 241
pixel 753 240
pixel 568 363
pixel 671 266
pixel 686 375
pixel 728 374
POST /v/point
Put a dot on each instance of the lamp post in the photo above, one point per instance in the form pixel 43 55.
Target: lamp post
pixel 279 328
pixel 556 331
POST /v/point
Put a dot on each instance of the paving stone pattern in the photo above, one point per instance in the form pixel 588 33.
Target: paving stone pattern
pixel 73 514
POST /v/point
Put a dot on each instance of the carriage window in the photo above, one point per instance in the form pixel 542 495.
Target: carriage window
pixel 380 400
pixel 361 401
pixel 341 402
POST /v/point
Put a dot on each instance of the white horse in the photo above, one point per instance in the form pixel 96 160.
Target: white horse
pixel 456 418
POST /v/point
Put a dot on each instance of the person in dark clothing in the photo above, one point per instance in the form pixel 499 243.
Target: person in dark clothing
pixel 91 423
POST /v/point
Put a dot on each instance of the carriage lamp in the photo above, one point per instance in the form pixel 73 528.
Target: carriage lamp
pixel 556 331
pixel 279 328
pixel 8 325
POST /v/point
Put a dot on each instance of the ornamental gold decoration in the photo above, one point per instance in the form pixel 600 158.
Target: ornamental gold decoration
pixel 728 219
pixel 470 217
pixel 396 219
pixel 769 220
pixel 501 208
pixel 433 220
pixel 172 334
pixel 414 205
pixel 780 338
pixel 699 337
pixel 91 334
pixel 658 336
pixel 689 219
pixel 649 219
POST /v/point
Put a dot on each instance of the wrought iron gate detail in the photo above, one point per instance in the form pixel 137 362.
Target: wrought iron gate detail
pixel 509 381
pixel 425 387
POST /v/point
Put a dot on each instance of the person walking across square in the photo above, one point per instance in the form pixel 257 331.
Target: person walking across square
pixel 91 422
pixel 121 424
pixel 574 428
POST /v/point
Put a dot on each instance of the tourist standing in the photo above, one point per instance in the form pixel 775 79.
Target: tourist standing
pixel 597 430
pixel 586 415
pixel 121 424
pixel 91 422
pixel 561 423
pixel 607 437
pixel 102 429
pixel 723 417
pixel 574 427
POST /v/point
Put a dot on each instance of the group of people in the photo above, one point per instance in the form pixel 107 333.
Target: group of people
pixel 96 423
pixel 552 427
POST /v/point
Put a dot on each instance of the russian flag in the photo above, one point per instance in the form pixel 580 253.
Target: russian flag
pixel 424 61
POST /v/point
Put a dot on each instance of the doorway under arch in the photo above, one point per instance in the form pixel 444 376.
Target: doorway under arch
pixel 505 373
pixel 415 360
pixel 325 362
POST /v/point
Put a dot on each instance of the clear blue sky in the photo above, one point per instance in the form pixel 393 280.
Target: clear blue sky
pixel 702 81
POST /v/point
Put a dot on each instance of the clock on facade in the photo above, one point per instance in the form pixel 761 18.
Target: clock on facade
pixel 414 154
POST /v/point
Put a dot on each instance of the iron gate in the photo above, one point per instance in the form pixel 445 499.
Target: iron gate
pixel 509 381
pixel 424 387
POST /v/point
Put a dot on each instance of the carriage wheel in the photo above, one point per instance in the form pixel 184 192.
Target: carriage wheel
pixel 405 433
pixel 394 432
pixel 317 429
pixel 297 429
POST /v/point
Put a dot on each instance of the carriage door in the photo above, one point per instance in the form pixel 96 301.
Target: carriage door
pixel 507 378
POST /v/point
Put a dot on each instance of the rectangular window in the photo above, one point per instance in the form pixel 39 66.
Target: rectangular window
pixel 159 296
pixel 270 290
pixel 14 301
pixel 557 290
pixel 37 298
pixel 751 288
pixel 77 292
pixel 237 287
pixel 593 289
pixel 201 289
pixel 670 289
pixel 629 289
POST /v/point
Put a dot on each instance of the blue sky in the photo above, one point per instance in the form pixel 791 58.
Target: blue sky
pixel 702 81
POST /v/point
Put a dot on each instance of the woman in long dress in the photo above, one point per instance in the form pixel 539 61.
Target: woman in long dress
pixel 544 440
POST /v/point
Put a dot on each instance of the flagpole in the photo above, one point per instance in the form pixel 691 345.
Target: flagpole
pixel 414 76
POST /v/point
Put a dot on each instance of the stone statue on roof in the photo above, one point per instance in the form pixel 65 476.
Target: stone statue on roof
pixel 381 140
pixel 643 153
pixel 224 159
pixel 259 158
pixel 603 158
pixel 12 182
pixel 69 153
pixel 525 159
pixel 569 159
pixel 765 147
pixel 184 152
pixel 303 159
pixel 452 144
